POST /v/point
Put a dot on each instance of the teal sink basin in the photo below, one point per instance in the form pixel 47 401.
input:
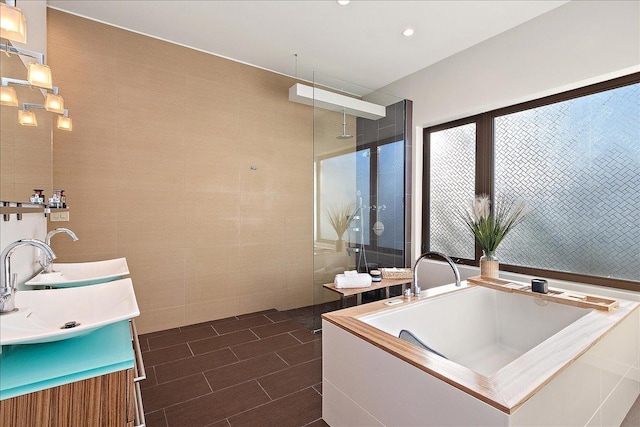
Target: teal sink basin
pixel 58 314
pixel 81 273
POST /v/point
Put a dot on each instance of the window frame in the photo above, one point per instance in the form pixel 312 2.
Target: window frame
pixel 484 175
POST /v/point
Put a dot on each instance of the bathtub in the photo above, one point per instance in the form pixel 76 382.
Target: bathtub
pixel 508 360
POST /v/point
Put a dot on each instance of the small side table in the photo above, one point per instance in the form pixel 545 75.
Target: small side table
pixel 384 284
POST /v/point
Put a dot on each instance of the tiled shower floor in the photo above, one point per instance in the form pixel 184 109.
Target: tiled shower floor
pixel 260 370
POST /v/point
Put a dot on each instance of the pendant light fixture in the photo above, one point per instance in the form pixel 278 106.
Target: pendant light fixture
pixel 39 75
pixel 13 24
pixel 8 96
pixel 64 122
pixel 27 118
pixel 54 103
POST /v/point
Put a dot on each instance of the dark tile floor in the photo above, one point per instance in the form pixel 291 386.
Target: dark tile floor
pixel 260 369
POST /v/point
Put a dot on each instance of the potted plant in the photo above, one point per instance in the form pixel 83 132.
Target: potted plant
pixel 489 227
pixel 340 218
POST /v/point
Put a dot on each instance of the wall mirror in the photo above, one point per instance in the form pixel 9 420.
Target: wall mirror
pixel 25 151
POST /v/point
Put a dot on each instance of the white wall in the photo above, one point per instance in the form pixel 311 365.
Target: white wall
pixel 575 44
pixel 579 43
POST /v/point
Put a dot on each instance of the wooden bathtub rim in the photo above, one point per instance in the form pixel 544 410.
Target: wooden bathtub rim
pixel 501 389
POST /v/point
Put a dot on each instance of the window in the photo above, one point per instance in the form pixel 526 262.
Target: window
pixel 336 188
pixel 378 174
pixel 452 154
pixel 377 178
pixel 575 159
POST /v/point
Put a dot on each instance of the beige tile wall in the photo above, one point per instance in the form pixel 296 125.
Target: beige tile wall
pixel 25 151
pixel 158 170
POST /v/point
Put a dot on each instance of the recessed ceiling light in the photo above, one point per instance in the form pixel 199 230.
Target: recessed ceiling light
pixel 343 2
pixel 408 32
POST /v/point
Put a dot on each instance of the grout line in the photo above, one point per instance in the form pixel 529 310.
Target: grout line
pixel 190 349
pixel 183 401
pixel 316 390
pixel 258 377
pixel 296 338
pixel 276 353
pixel 265 391
pixel 235 355
pixel 155 377
pixel 261 404
pixel 169 361
pixel 207 381
pixel 271 401
pixel 314 421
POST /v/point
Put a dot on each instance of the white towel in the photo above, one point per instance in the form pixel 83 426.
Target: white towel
pixel 351 272
pixel 361 280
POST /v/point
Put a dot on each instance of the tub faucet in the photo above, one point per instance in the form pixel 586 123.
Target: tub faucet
pixel 46 262
pixel 416 288
pixel 7 281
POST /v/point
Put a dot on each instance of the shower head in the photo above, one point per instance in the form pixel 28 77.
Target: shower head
pixel 344 127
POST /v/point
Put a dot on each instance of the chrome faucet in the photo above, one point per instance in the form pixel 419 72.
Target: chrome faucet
pixel 7 281
pixel 416 288
pixel 47 263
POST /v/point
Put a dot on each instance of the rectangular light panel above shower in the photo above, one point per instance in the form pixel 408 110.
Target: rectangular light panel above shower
pixel 334 101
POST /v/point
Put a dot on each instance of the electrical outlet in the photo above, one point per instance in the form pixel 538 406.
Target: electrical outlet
pixel 59 216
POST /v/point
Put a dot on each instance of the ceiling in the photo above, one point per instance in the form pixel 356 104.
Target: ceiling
pixel 359 43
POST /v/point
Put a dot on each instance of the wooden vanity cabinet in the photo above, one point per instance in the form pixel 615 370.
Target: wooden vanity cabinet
pixel 104 401
pixel 112 399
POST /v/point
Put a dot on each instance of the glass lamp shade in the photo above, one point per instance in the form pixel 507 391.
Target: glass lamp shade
pixel 13 24
pixel 39 75
pixel 65 123
pixel 54 103
pixel 8 96
pixel 27 118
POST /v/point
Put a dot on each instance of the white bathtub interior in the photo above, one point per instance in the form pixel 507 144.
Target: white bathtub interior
pixel 486 331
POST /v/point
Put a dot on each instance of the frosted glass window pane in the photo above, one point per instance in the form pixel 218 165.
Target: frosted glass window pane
pixel 577 163
pixel 452 175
